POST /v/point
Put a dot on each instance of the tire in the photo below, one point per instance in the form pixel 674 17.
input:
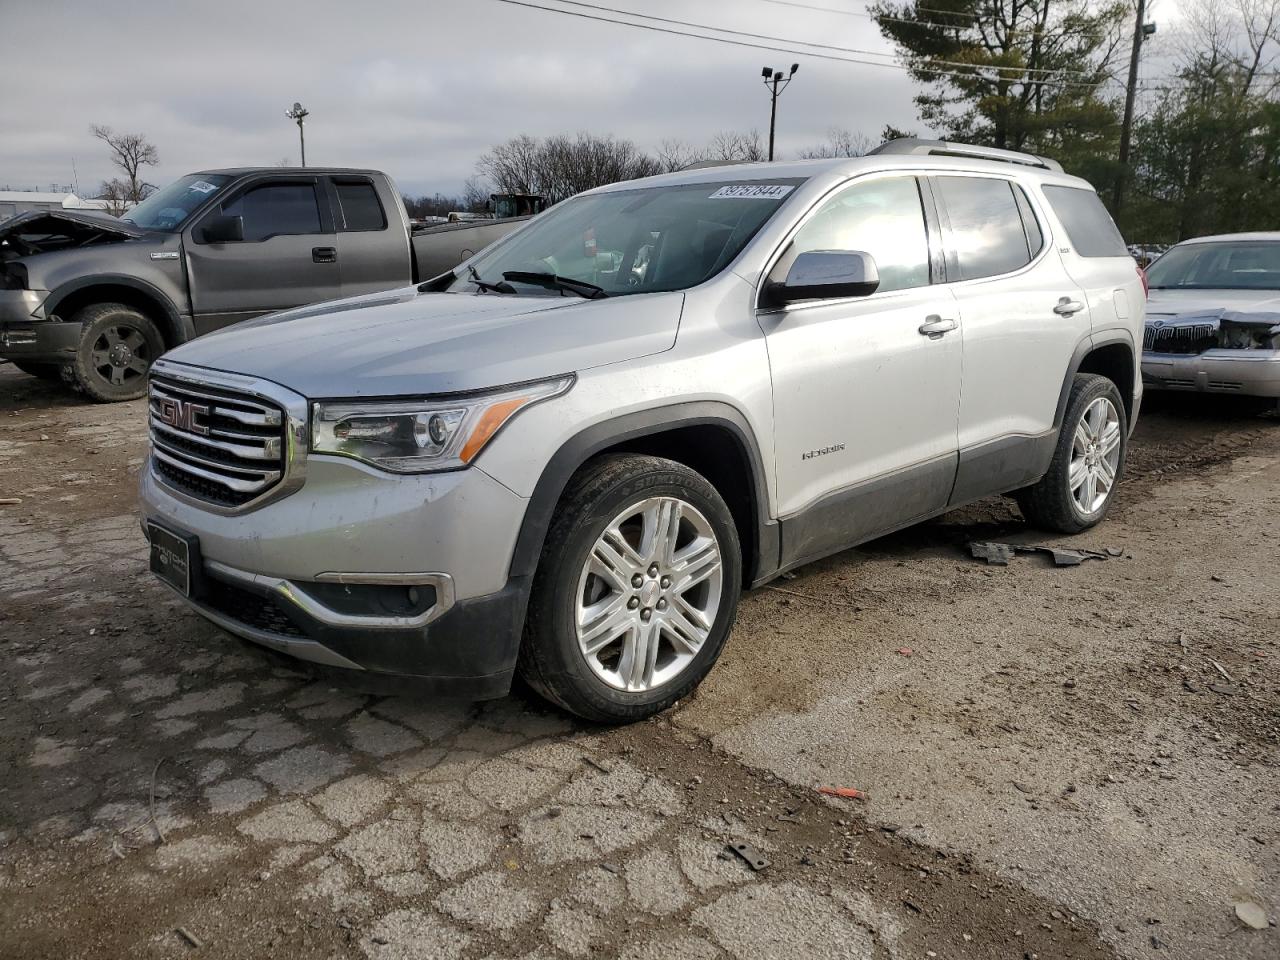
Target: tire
pixel 117 347
pixel 1095 448
pixel 643 595
pixel 45 371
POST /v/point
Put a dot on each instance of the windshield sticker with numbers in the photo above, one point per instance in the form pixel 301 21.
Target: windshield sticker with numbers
pixel 752 191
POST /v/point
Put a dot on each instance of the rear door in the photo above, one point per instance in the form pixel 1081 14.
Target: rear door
pixel 288 256
pixel 1023 316
pixel 373 242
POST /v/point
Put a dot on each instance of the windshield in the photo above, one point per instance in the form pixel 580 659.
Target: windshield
pixel 631 241
pixel 167 209
pixel 1219 266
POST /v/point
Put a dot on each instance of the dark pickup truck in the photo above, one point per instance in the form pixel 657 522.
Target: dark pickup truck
pixel 94 300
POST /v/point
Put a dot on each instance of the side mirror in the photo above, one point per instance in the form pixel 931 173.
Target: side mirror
pixel 827 275
pixel 222 229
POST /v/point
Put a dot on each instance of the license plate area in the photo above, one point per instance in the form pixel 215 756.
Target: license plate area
pixel 174 557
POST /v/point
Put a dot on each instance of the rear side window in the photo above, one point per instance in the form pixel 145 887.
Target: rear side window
pixel 1090 227
pixel 987 233
pixel 359 206
pixel 276 209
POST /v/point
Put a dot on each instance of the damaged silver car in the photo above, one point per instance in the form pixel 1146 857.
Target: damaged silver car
pixel 1213 317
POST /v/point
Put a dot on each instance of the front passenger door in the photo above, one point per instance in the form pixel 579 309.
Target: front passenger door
pixel 288 256
pixel 865 400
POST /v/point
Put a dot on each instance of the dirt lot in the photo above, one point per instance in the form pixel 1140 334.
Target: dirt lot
pixel 1076 762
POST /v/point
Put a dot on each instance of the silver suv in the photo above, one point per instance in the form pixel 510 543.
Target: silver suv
pixel 569 456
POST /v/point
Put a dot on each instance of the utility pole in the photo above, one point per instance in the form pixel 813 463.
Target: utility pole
pixel 1141 31
pixel 299 113
pixel 774 80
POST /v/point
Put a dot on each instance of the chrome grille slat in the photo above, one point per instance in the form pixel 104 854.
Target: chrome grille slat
pixel 232 450
pixel 270 449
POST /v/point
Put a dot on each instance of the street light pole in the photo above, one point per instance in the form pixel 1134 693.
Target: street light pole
pixel 299 113
pixel 1141 31
pixel 774 80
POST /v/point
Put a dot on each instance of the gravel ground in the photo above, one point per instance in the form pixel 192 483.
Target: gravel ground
pixel 1075 762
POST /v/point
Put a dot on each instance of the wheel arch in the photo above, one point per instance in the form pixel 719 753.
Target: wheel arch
pixel 710 437
pixel 1109 355
pixel 144 297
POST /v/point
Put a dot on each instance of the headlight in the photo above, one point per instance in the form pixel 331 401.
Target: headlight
pixel 419 436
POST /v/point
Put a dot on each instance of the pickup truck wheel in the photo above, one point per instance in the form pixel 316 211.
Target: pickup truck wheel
pixel 1087 463
pixel 635 592
pixel 45 371
pixel 117 347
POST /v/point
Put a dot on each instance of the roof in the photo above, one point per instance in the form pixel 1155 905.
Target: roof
pixel 1273 235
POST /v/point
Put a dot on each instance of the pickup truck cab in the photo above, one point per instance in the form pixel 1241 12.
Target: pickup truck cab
pixel 95 300
pixel 569 455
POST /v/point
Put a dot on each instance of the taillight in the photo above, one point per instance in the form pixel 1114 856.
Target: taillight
pixel 1146 288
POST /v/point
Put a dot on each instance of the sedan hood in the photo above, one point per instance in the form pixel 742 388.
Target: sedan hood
pixel 403 342
pixel 1166 303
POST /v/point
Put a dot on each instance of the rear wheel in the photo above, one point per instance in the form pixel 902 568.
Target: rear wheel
pixel 636 590
pixel 117 347
pixel 45 371
pixel 1087 464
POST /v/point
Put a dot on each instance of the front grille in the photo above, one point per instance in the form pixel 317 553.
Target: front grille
pixel 215 445
pixel 251 609
pixel 1191 338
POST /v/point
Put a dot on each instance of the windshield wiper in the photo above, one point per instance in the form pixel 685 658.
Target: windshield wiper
pixel 486 285
pixel 552 282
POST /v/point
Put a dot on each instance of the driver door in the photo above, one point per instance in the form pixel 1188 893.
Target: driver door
pixel 288 257
pixel 866 403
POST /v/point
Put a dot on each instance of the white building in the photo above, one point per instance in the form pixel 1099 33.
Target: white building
pixel 13 202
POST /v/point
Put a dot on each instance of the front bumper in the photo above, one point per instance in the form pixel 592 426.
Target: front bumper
pixel 1254 373
pixel 25 335
pixel 270 574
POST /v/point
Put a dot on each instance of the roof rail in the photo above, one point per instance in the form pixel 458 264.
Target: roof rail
pixel 943 148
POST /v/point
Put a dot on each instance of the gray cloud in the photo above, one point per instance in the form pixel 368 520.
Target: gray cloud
pixel 418 89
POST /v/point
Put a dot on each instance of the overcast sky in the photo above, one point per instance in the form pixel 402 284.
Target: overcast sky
pixel 418 89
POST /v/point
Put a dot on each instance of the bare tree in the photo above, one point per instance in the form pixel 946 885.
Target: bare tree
pixel 676 154
pixel 130 152
pixel 475 195
pixel 840 143
pixel 732 145
pixel 116 194
pixel 561 166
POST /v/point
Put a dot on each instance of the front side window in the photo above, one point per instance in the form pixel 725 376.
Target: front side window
pixel 881 217
pixel 358 206
pixel 986 228
pixel 168 208
pixel 622 242
pixel 1221 265
pixel 276 209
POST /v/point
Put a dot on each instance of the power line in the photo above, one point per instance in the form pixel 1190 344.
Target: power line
pixel 923 23
pixel 774 46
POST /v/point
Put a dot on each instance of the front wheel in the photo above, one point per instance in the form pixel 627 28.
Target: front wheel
pixel 117 347
pixel 1088 461
pixel 636 590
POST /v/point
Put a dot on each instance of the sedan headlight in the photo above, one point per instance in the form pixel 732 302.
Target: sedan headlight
pixel 420 436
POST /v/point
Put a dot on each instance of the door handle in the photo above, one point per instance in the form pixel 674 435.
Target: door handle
pixel 324 254
pixel 935 326
pixel 1066 307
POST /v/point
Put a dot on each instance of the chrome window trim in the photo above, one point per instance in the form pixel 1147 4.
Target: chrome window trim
pixel 294 431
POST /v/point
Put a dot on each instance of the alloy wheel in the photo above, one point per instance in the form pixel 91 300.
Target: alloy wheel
pixel 120 354
pixel 1095 456
pixel 649 594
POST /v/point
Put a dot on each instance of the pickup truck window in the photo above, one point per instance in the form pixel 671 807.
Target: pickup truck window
pixel 645 240
pixel 359 206
pixel 168 209
pixel 276 209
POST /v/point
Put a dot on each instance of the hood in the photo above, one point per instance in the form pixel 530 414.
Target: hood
pixel 404 342
pixel 38 231
pixel 1165 303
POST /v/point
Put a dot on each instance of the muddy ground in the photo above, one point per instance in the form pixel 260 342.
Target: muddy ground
pixel 1076 762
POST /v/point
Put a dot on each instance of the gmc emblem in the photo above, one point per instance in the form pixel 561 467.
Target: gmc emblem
pixel 182 416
